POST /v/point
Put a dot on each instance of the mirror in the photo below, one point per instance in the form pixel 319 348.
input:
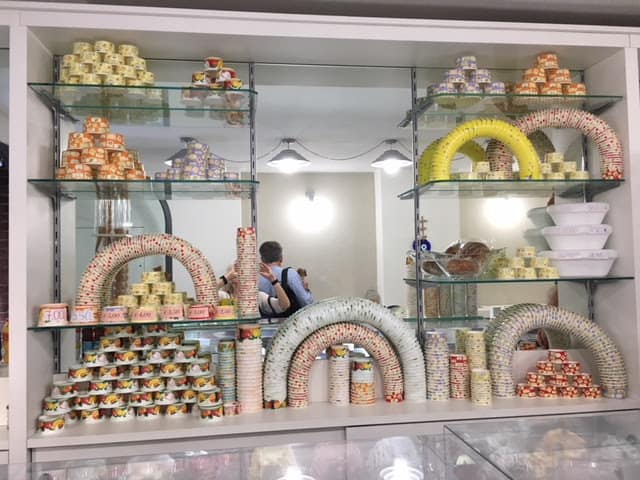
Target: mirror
pixel 338 217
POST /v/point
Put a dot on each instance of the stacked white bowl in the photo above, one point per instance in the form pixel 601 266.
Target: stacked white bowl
pixel 578 239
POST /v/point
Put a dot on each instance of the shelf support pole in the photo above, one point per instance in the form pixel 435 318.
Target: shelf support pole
pixel 56 218
pixel 252 145
pixel 416 201
pixel 587 195
pixel 168 229
pixel 590 286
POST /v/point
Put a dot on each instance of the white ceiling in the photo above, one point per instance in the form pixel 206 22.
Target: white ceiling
pixel 322 51
pixel 336 112
pixel 596 12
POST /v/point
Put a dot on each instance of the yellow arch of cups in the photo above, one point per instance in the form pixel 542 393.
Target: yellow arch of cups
pixel 511 136
pixel 470 149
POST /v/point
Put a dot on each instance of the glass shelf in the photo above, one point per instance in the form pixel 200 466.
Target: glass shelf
pixel 475 281
pixel 147 189
pixel 182 325
pixel 517 188
pixel 466 105
pixel 447 319
pixel 150 105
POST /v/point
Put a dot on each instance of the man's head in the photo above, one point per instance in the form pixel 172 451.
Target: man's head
pixel 271 252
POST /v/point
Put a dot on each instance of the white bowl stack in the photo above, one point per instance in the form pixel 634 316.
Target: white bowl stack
pixel 578 239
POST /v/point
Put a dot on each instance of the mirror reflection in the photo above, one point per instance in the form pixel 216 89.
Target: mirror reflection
pixel 321 134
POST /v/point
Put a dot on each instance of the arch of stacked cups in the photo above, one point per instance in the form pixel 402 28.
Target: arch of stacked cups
pixel 605 138
pixel 555 338
pixel 470 149
pixel 500 157
pixel 375 344
pixel 96 280
pixel 505 330
pixel 511 136
pixel 304 322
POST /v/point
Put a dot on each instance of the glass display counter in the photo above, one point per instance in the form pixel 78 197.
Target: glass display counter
pixel 602 447
pixel 394 458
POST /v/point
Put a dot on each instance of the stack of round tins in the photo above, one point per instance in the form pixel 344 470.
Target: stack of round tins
pixel 306 321
pixel 459 370
pixel 480 387
pixel 145 372
pixel 247 269
pixel 376 345
pixel 249 368
pixel 338 375
pixel 96 280
pixel 476 349
pixel 363 382
pixel 461 335
pixel 507 328
pixel 605 138
pixel 227 370
pixel 436 357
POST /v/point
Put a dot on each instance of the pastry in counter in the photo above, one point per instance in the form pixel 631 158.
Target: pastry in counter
pixel 432 268
pixel 462 266
pixel 476 250
pixel 453 249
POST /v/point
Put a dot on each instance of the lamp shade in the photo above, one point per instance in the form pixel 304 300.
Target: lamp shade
pixel 391 161
pixel 288 160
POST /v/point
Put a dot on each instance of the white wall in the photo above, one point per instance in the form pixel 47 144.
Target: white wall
pixel 37 352
pixel 394 222
pixel 503 222
pixel 341 259
pixel 396 232
pixel 210 227
pixel 394 219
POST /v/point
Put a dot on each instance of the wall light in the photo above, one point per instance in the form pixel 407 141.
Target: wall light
pixel 288 160
pixel 391 161
pixel 311 213
pixel 504 213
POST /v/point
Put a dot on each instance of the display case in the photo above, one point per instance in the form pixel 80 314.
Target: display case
pixel 598 446
pixel 494 211
pixel 43 32
pixel 603 446
pixel 389 458
pixel 152 119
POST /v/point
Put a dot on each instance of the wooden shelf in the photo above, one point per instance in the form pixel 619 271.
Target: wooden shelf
pixel 513 188
pixel 317 416
pixel 147 189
